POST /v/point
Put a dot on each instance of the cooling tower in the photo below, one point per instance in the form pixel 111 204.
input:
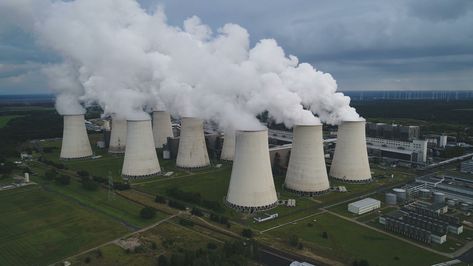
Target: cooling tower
pixel 228 148
pixel 117 136
pixel 350 160
pixel 162 128
pixel 306 173
pixel 140 155
pixel 192 151
pixel 251 183
pixel 75 142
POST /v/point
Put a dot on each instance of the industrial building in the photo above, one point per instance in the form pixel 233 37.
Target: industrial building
pixel 350 160
pixel 307 173
pixel 75 141
pixel 140 154
pixel 118 136
pixel 192 152
pixel 411 151
pixel 251 187
pixel 467 167
pixel 162 128
pixel 364 206
pixel 392 131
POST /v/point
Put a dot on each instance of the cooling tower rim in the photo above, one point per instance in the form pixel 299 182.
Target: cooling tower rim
pixel 160 111
pixel 308 125
pixel 137 120
pixel 73 114
pixel 251 130
pixel 352 121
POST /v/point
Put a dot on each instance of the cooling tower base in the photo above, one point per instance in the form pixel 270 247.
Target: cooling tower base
pixel 192 167
pixel 363 181
pixel 307 193
pixel 116 151
pixel 249 209
pixel 78 158
pixel 140 176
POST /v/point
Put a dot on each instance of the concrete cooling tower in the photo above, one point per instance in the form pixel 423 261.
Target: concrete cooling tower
pixel 228 148
pixel 251 183
pixel 75 142
pixel 192 151
pixel 140 155
pixel 350 160
pixel 162 128
pixel 307 173
pixel 118 136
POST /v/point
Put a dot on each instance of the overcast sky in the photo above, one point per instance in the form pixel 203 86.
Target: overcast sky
pixel 365 45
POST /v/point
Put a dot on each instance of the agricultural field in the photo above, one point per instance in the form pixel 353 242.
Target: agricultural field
pixel 347 241
pixel 39 227
pixel 4 119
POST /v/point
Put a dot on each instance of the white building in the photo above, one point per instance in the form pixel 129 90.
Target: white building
pixel 364 206
pixel 415 150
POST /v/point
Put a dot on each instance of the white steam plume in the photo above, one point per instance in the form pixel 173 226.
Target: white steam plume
pixel 128 60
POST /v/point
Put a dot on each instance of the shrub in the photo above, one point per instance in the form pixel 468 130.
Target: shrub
pixel 160 199
pixel 186 222
pixel 197 212
pixel 99 179
pixel 82 173
pixel 293 240
pixel 247 233
pixel 176 205
pixel 121 186
pixel 63 180
pixel 324 235
pixel 211 246
pixel 89 184
pixel 147 213
pixel 163 261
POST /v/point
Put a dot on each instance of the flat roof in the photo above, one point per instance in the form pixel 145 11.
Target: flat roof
pixel 374 147
pixel 364 202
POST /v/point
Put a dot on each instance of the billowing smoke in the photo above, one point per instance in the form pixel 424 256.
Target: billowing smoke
pixel 127 60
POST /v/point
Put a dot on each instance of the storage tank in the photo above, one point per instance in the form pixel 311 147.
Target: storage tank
pixel 75 142
pixel 192 152
pixel 140 155
pixel 350 160
pixel 251 185
pixel 451 203
pixel 228 148
pixel 162 128
pixel 118 136
pixel 306 172
pixel 439 197
pixel 401 194
pixel 391 199
pixel 424 193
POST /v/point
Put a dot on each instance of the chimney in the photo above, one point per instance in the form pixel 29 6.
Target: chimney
pixel 251 186
pixel 192 151
pixel 307 173
pixel 140 155
pixel 75 142
pixel 162 128
pixel 350 160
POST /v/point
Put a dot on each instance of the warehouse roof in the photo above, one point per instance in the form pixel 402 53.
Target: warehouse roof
pixel 364 202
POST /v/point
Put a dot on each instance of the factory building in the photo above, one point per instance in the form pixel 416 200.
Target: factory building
pixel 412 151
pixel 350 160
pixel 75 142
pixel 251 187
pixel 162 128
pixel 393 131
pixel 307 173
pixel 467 166
pixel 192 152
pixel 140 154
pixel 118 136
pixel 364 206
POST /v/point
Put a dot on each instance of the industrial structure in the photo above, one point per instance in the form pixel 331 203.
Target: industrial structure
pixel 140 155
pixel 251 185
pixel 75 142
pixel 192 152
pixel 307 173
pixel 392 131
pixel 118 136
pixel 228 148
pixel 410 151
pixel 364 206
pixel 162 128
pixel 350 160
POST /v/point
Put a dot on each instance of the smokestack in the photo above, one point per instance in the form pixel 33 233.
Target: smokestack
pixel 306 172
pixel 75 142
pixel 140 155
pixel 117 136
pixel 192 151
pixel 162 128
pixel 251 183
pixel 228 148
pixel 350 160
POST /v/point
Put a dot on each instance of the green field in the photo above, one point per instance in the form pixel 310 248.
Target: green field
pixel 348 241
pixel 38 227
pixel 4 119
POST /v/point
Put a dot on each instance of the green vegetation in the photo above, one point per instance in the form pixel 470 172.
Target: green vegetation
pixel 38 227
pixel 4 119
pixel 348 241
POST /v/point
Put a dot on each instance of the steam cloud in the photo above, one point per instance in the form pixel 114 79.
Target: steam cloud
pixel 127 60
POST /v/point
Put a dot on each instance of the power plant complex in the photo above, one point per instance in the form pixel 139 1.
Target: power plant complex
pixel 251 187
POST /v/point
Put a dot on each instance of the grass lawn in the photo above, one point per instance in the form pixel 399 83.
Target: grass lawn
pixel 4 119
pixel 38 227
pixel 348 241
